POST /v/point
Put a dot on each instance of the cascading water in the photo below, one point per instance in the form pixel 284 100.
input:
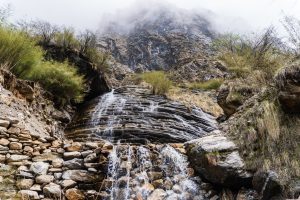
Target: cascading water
pixel 148 171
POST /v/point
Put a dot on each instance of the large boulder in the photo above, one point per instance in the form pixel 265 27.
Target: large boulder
pixel 216 158
pixel 232 95
pixel 267 184
pixel 288 82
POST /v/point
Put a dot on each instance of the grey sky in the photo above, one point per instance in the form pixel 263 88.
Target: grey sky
pixel 230 15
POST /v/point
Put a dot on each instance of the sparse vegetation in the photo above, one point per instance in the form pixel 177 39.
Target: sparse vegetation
pixel 158 80
pixel 243 56
pixel 211 84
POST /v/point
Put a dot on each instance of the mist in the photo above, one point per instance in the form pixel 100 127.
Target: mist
pixel 226 16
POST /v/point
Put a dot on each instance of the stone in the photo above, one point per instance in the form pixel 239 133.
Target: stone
pixel 45 157
pixel 44 179
pixel 52 190
pixel 3 148
pixel 4 142
pixel 57 176
pixel 158 194
pixel 158 183
pixel 70 155
pixel 267 184
pixel 80 176
pixel 68 184
pixel 92 145
pixel 24 184
pixel 86 153
pixel 287 81
pixel 155 175
pixel 36 187
pixel 2 158
pixel 14 130
pixel 39 168
pixel 28 195
pixel 17 158
pixel 28 149
pixel 90 158
pixel 216 158
pixel 74 194
pixel 4 123
pixel 58 162
pixel 15 146
pixel 75 146
pixel 75 163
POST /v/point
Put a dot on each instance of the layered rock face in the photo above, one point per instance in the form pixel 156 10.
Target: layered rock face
pixel 132 114
pixel 162 39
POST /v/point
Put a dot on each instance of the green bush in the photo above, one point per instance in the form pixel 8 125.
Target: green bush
pixel 60 79
pixel 18 51
pixel 158 80
pixel 211 84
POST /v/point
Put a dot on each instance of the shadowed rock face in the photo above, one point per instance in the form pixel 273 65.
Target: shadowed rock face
pixel 132 114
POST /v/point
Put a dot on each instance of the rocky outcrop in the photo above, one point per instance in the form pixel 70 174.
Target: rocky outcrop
pixel 232 94
pixel 288 82
pixel 27 108
pixel 133 114
pixel 216 158
pixel 163 39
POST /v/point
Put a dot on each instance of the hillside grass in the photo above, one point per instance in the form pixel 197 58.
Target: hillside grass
pixel 212 84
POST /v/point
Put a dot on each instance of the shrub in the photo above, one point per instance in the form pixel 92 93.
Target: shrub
pixel 158 80
pixel 211 84
pixel 243 56
pixel 67 39
pixel 18 51
pixel 60 79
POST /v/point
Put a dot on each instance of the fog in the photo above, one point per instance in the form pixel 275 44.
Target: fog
pixel 226 15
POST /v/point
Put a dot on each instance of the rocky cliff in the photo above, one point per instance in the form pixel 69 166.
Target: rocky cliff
pixel 162 39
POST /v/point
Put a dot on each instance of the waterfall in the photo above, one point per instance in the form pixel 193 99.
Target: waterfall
pixel 135 171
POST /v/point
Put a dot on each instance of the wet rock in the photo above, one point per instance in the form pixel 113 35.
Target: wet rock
pixel 155 175
pixel 157 194
pixel 267 184
pixel 24 184
pixel 216 159
pixel 74 194
pixel 39 168
pixel 28 194
pixel 90 158
pixel 52 190
pixel 44 179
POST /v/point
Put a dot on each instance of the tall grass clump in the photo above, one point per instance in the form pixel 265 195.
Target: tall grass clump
pixel 212 84
pixel 244 55
pixel 61 79
pixel 18 51
pixel 158 80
